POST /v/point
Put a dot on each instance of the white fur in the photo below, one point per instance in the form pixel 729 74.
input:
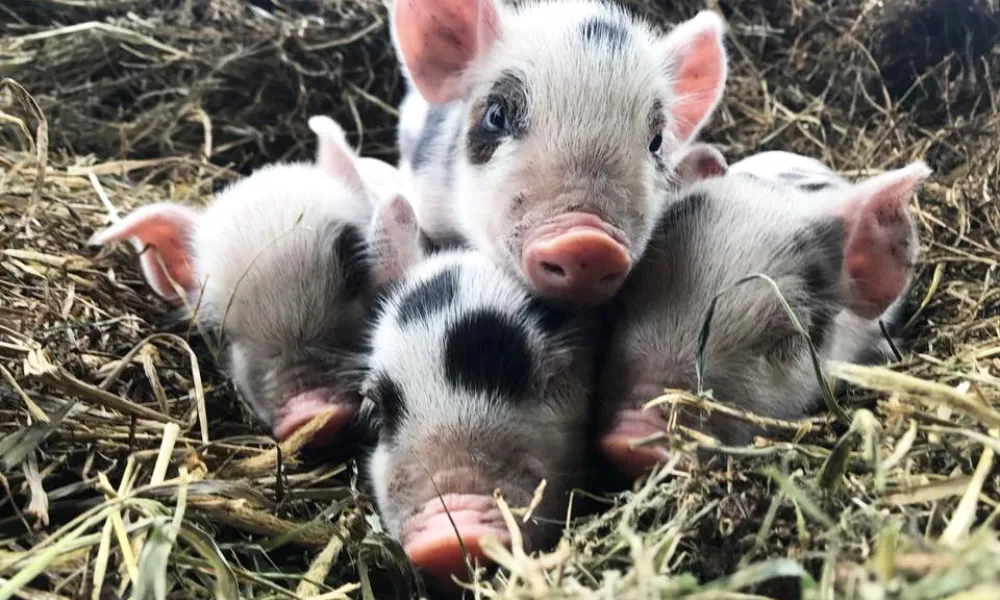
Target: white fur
pixel 486 439
pixel 588 138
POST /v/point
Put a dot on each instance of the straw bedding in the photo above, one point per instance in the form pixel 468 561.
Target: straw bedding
pixel 130 468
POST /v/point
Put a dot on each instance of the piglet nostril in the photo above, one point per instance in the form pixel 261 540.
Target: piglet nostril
pixel 554 269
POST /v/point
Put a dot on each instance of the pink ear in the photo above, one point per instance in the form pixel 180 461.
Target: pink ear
pixel 395 239
pixel 881 240
pixel 698 161
pixel 439 39
pixel 697 64
pixel 162 234
pixel 332 152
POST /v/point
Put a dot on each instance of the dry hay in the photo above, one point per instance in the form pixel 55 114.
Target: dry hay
pixel 112 478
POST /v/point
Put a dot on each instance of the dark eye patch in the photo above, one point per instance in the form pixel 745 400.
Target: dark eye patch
pixel 351 253
pixel 388 397
pixel 487 354
pixel 510 92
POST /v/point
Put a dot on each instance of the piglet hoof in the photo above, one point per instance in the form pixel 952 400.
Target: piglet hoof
pixel 301 409
pixel 619 444
pixel 434 538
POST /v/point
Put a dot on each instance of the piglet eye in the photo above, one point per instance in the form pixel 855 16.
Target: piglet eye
pixel 495 118
pixel 656 142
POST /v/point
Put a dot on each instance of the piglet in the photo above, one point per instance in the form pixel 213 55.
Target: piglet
pixel 841 254
pixel 475 385
pixel 279 265
pixel 541 133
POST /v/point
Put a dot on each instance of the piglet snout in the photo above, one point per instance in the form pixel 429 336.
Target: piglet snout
pixel 618 444
pixel 302 407
pixel 576 257
pixel 433 539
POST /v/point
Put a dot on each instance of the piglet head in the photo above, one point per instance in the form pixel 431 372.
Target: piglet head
pixel 571 113
pixel 477 387
pixel 839 265
pixel 279 265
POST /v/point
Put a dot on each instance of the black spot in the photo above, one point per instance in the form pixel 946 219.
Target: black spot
pixel 387 395
pixel 429 296
pixel 510 92
pixel 680 211
pixel 822 242
pixel 351 253
pixel 423 148
pixel 485 353
pixel 450 157
pixel 815 187
pixel 550 318
pixel 602 31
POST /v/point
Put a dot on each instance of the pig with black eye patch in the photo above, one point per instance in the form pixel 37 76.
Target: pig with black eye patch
pixel 279 264
pixel 475 385
pixel 541 134
pixel 842 255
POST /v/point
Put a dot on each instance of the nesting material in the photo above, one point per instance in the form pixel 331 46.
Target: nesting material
pixel 128 465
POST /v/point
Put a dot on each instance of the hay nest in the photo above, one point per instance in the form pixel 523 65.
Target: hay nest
pixel 128 464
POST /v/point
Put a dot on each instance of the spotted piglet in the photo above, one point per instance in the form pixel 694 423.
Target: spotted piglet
pixel 841 254
pixel 476 386
pixel 279 265
pixel 541 133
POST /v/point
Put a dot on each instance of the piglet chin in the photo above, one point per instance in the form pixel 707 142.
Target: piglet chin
pixel 619 443
pixel 430 540
pixel 299 409
pixel 576 257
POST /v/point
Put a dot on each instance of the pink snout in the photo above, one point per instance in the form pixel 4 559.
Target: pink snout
pixel 619 444
pixel 576 257
pixel 433 539
pixel 299 409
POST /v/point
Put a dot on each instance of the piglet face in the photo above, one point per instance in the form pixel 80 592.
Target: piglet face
pixel 570 111
pixel 478 387
pixel 834 262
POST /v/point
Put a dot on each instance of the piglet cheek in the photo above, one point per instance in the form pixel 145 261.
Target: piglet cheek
pixel 301 408
pixel 619 444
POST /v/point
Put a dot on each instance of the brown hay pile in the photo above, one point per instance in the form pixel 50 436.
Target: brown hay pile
pixel 110 477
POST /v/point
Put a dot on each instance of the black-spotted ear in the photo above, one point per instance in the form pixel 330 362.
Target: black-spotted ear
pixel 394 237
pixel 698 161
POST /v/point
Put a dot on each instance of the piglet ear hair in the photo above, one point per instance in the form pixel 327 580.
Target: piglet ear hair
pixel 162 234
pixel 881 239
pixel 695 162
pixel 332 152
pixel 394 237
pixel 697 68
pixel 438 40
